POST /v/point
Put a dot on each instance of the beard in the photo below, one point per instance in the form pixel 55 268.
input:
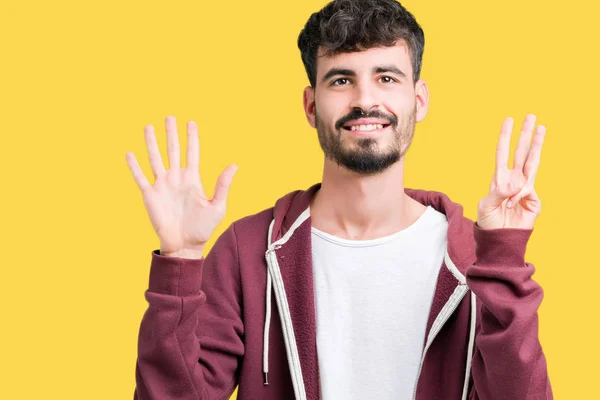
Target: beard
pixel 367 159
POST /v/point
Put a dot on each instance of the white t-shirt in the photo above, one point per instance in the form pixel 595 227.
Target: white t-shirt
pixel 372 304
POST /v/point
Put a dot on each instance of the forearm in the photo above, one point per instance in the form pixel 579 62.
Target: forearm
pixel 190 339
pixel 508 361
pixel 168 348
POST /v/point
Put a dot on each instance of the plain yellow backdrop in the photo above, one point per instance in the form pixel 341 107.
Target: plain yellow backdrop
pixel 79 80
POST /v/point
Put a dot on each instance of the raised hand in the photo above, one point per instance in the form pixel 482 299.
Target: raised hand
pixel 512 201
pixel 180 212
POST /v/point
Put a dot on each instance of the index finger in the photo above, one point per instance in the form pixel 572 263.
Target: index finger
pixel 533 158
pixel 503 148
pixel 193 147
pixel 137 173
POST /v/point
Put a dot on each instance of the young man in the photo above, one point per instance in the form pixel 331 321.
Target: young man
pixel 356 288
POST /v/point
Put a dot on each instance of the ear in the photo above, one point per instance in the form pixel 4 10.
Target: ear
pixel 422 99
pixel 309 105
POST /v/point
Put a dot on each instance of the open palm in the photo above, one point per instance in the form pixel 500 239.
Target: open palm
pixel 512 201
pixel 182 215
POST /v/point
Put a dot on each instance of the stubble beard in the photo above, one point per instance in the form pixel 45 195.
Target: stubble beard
pixel 366 158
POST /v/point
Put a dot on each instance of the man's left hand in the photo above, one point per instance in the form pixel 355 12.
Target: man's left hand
pixel 512 201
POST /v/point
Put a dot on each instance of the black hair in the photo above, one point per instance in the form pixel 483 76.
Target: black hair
pixel 344 26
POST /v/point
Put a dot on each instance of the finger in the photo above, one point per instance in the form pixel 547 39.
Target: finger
pixel 524 142
pixel 516 199
pixel 136 171
pixel 533 158
pixel 503 188
pixel 193 147
pixel 532 202
pixel 172 143
pixel 224 183
pixel 503 192
pixel 503 149
pixel 154 156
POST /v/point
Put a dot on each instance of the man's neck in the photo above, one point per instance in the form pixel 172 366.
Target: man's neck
pixel 358 207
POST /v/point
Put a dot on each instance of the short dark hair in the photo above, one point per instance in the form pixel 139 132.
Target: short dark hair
pixel 345 26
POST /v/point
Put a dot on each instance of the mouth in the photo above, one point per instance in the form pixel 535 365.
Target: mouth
pixel 366 129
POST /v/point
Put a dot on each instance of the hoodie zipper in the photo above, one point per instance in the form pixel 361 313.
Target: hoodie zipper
pixel 449 313
pixel 290 341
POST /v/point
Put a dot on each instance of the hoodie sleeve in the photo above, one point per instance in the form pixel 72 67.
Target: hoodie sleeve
pixel 190 338
pixel 508 361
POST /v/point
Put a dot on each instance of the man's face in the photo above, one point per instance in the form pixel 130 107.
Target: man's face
pixel 364 107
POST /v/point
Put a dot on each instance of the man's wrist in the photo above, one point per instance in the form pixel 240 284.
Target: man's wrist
pixel 196 253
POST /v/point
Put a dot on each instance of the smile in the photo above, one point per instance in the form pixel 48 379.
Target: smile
pixel 369 127
pixel 366 129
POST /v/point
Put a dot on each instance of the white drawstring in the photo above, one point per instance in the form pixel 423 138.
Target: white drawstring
pixel 266 331
pixel 268 310
pixel 471 345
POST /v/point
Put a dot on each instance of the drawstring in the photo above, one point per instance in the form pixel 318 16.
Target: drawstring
pixel 266 331
pixel 463 281
pixel 268 311
pixel 471 345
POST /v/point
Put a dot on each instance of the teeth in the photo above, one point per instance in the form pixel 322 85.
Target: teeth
pixel 369 127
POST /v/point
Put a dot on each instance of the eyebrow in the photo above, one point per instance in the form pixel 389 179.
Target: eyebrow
pixel 376 70
pixel 389 68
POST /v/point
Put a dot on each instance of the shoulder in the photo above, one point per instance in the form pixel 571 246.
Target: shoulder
pixel 251 225
pixel 250 232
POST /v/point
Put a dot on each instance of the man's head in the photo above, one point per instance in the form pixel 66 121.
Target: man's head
pixel 363 61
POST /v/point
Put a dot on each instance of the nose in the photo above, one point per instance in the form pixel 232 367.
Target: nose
pixel 364 98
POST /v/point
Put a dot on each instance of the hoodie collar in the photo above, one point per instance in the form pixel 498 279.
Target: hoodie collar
pixel 461 248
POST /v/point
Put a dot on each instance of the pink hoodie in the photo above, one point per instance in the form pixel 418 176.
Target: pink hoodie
pixel 213 323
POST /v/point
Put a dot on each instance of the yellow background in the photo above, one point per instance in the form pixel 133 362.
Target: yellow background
pixel 80 79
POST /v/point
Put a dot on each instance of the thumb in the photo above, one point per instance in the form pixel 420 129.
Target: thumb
pixel 224 183
pixel 500 193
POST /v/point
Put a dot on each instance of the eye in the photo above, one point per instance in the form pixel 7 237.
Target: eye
pixel 388 79
pixel 335 83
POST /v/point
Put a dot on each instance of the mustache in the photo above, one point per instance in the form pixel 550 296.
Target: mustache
pixel 358 113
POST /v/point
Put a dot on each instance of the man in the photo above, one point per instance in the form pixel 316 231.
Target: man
pixel 356 288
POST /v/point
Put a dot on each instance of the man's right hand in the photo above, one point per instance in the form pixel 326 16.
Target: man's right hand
pixel 181 214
